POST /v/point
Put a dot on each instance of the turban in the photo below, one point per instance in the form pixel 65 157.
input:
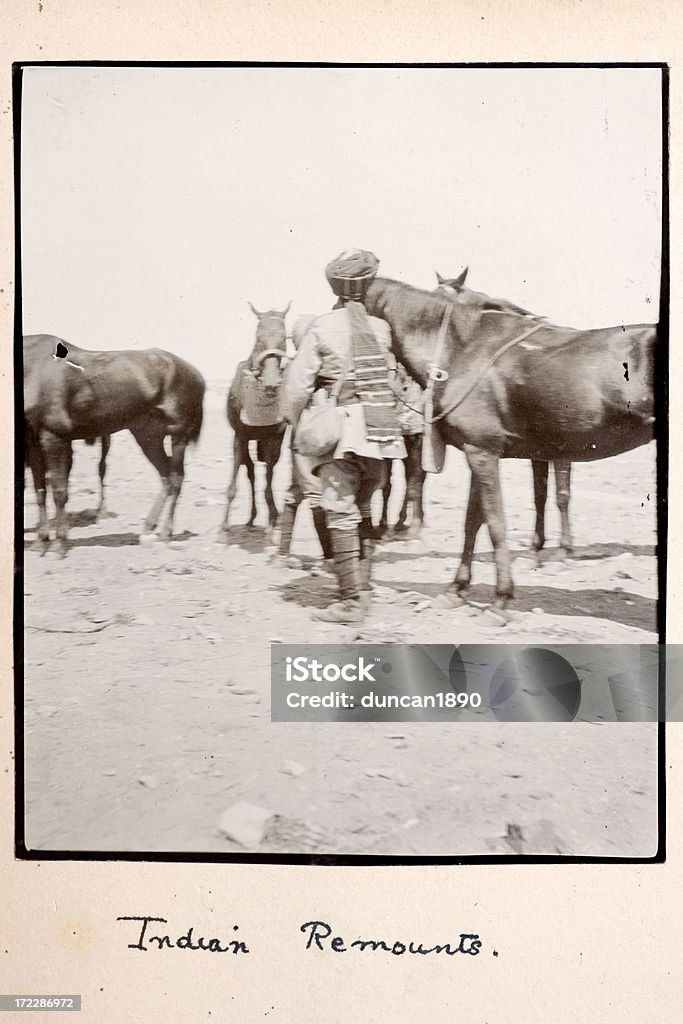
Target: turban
pixel 350 273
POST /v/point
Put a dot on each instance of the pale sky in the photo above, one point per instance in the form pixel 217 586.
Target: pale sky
pixel 157 202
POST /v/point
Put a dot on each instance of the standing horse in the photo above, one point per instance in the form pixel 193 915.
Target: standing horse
pixel 72 393
pixel 454 288
pixel 505 388
pixel 254 414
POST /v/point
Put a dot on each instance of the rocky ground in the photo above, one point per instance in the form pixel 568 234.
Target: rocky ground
pixel 147 679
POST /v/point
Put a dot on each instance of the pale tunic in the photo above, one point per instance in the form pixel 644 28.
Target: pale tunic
pixel 325 351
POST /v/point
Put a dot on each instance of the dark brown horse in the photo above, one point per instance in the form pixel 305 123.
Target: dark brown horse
pixel 72 393
pixel 454 287
pixel 510 389
pixel 254 412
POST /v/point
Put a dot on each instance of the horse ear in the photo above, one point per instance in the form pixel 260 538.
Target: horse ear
pixel 254 311
pixel 284 312
pixel 460 281
pixel 439 278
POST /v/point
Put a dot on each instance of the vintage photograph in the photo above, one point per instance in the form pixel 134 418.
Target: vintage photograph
pixel 329 356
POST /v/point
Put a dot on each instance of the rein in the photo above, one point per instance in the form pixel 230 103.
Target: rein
pixel 439 375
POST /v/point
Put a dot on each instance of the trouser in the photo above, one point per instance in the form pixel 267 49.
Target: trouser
pixel 348 485
pixel 305 485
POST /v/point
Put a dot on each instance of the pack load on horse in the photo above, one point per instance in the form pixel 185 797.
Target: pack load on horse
pixel 72 393
pixel 505 387
pixel 454 287
pixel 253 410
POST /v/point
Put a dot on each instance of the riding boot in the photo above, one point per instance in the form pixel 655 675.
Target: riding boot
pixel 367 547
pixel 321 528
pixel 287 520
pixel 349 609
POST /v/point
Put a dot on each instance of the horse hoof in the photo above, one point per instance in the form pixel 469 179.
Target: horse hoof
pixel 41 545
pixel 61 547
pixel 495 616
pixel 222 537
pixel 147 538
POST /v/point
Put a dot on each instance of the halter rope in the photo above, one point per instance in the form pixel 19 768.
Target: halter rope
pixel 436 374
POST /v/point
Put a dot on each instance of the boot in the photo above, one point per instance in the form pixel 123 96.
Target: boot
pixel 321 528
pixel 349 608
pixel 287 521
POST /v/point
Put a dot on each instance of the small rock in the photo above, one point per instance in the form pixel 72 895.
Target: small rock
pixel 385 773
pixel 109 773
pixel 144 620
pixel 292 768
pixel 422 606
pixel 148 781
pixel 537 611
pixel 208 634
pixel 245 823
pixel 243 691
pixel 411 823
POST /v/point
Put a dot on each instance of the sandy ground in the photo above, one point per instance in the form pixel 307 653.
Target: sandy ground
pixel 147 680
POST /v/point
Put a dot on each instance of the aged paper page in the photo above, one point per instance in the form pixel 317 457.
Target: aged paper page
pixel 578 941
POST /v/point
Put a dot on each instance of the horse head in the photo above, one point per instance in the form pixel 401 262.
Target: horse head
pixel 270 347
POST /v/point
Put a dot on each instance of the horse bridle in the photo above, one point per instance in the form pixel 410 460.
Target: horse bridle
pixel 267 352
pixel 438 375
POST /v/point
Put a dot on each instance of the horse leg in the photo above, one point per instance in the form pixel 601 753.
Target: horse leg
pixel 383 526
pixel 251 474
pixel 102 468
pixel 36 461
pixel 58 454
pixel 271 452
pixel 403 513
pixel 474 517
pixel 563 475
pixel 151 442
pixel 415 479
pixel 239 447
pixel 485 467
pixel 540 471
pixel 176 477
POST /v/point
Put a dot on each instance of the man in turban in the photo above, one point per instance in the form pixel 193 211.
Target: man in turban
pixel 350 345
